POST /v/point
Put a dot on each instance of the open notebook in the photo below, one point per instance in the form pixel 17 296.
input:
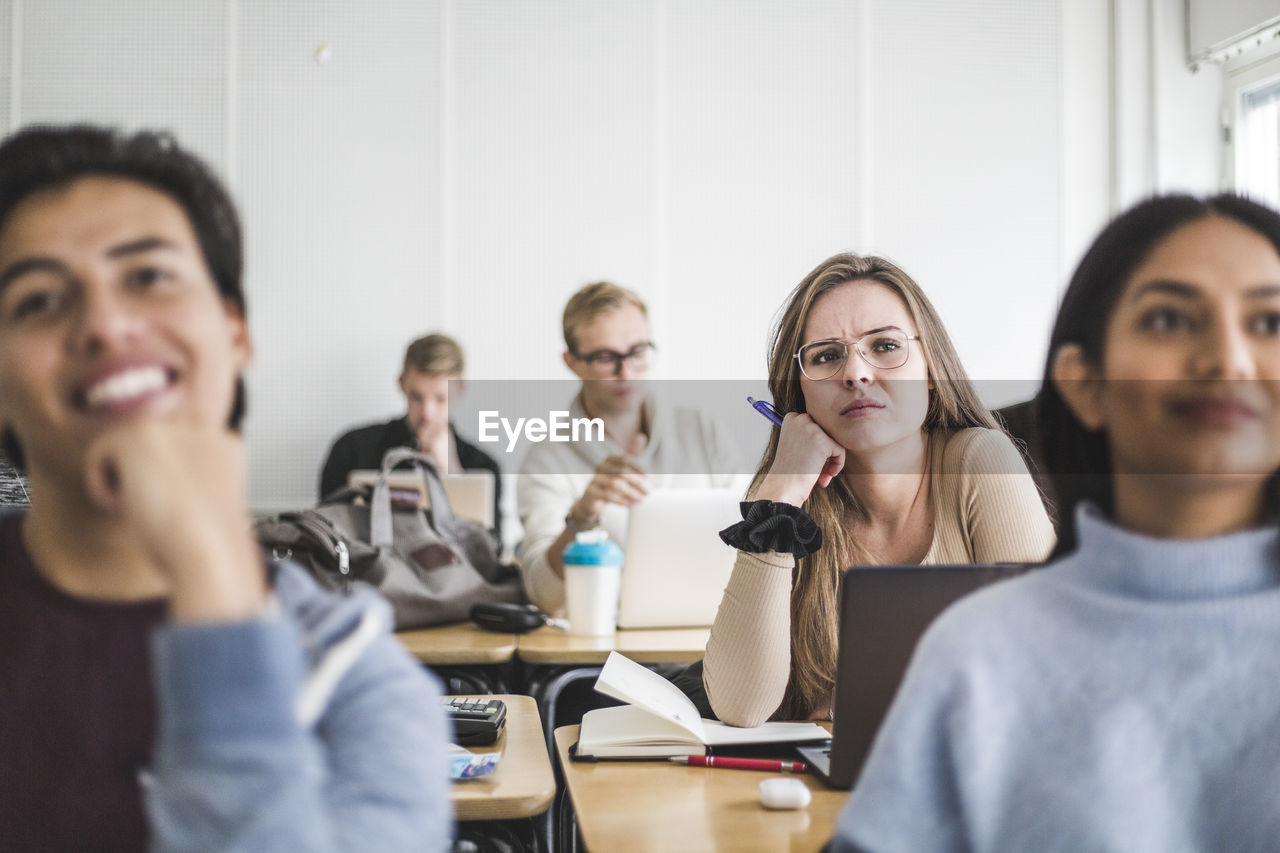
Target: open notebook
pixel 660 721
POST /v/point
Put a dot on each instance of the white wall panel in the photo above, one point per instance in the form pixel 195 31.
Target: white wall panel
pixel 553 157
pixel 144 63
pixel 339 186
pixel 763 123
pixel 467 164
pixel 1189 147
pixel 1086 124
pixel 6 64
pixel 966 153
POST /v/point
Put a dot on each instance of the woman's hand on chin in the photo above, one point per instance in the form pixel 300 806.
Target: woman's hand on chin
pixel 181 489
pixel 806 456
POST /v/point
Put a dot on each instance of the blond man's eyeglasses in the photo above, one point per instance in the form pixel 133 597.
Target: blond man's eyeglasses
pixel 607 362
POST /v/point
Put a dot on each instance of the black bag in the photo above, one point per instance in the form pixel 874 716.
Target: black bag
pixel 430 565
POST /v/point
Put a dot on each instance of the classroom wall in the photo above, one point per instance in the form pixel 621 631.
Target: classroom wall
pixel 405 165
pixel 1168 135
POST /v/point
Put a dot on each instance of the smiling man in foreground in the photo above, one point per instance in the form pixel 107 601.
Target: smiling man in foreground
pixel 164 687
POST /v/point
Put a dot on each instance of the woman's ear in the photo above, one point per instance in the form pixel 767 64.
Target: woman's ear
pixel 1078 383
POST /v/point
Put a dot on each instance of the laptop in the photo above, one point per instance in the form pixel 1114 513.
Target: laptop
pixel 884 610
pixel 470 493
pixel 674 566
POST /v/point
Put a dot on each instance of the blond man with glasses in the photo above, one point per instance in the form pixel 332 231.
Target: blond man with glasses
pixel 568 487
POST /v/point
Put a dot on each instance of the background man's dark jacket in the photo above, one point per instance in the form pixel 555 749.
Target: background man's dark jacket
pixel 365 446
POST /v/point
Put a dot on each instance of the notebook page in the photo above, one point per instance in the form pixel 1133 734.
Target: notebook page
pixel 628 681
pixel 718 734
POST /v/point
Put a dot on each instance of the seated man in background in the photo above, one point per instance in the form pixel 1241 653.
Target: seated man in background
pixel 430 363
pixel 567 487
pixel 165 687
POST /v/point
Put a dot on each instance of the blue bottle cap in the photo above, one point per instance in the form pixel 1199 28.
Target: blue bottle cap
pixel 592 548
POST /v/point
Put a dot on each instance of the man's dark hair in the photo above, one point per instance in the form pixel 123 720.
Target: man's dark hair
pixel 44 157
pixel 1078 460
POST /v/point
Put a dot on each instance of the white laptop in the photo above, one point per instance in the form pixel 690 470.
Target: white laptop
pixel 470 493
pixel 674 565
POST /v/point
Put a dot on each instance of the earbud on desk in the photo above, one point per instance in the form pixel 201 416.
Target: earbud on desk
pixel 784 793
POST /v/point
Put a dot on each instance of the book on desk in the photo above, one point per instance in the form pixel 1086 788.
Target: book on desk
pixel 659 721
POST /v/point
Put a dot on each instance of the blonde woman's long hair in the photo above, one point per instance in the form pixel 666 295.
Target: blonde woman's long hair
pixel 953 404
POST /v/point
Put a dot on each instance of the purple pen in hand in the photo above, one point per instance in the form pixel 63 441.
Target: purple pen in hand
pixel 766 408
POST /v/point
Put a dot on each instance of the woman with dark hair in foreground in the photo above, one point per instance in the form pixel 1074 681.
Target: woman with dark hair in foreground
pixel 1127 697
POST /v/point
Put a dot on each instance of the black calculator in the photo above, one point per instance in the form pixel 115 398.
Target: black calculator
pixel 476 722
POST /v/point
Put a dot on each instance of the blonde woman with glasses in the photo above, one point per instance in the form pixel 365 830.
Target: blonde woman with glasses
pixel 885 456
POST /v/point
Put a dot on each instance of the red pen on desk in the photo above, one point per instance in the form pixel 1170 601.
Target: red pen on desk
pixel 740 763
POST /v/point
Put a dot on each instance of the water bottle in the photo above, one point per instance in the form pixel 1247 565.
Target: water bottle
pixel 592 574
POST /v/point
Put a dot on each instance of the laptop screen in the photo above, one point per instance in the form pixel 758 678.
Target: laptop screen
pixel 676 567
pixel 470 493
pixel 884 610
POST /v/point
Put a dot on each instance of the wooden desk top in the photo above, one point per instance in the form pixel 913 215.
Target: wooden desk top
pixel 523 785
pixel 667 645
pixel 658 806
pixel 462 644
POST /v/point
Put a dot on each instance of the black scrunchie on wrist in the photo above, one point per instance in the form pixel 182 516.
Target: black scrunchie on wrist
pixel 771 526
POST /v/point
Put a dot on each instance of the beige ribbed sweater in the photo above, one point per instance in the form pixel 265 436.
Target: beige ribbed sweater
pixel 986 510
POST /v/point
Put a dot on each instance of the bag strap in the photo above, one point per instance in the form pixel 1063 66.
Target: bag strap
pixel 380 504
pixel 321 530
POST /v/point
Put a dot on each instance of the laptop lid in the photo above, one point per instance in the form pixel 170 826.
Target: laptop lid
pixel 674 565
pixel 884 610
pixel 470 493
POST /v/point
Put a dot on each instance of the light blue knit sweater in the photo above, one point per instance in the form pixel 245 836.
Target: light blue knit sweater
pixel 1126 698
pixel 310 729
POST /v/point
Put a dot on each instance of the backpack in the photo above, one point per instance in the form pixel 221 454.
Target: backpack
pixel 430 565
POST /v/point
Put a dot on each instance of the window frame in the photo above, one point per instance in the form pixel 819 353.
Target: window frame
pixel 1252 70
